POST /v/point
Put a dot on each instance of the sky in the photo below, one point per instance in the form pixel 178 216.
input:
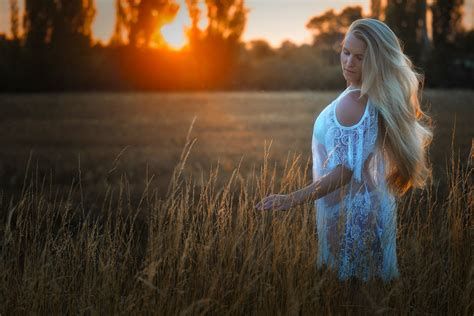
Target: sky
pixel 272 20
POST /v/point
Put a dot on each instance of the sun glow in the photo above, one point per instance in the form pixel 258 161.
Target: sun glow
pixel 174 36
pixel 173 33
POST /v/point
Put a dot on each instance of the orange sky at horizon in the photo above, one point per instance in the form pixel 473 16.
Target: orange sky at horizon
pixel 266 19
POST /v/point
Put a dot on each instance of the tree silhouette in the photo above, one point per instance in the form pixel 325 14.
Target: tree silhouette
pixel 227 19
pixel 72 23
pixel 448 35
pixel 260 49
pixel 117 38
pixel 38 22
pixel 329 28
pixel 58 22
pixel 216 48
pixel 407 18
pixel 14 20
pixel 54 49
pixel 447 18
pixel 142 20
pixel 193 33
pixel 377 9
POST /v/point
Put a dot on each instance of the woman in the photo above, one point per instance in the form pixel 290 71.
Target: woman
pixel 369 146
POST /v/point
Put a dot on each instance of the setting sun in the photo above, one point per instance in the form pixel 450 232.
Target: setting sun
pixel 174 35
pixel 174 32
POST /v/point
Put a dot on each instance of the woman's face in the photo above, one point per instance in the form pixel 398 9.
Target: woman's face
pixel 352 54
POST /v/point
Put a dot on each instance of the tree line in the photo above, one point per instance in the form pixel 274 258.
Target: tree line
pixel 51 47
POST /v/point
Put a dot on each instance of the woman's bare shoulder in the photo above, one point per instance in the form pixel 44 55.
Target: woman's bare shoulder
pixel 350 108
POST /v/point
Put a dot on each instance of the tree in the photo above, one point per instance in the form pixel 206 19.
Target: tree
pixel 407 18
pixel 260 49
pixel 227 19
pixel 14 20
pixel 226 22
pixel 330 22
pixel 193 33
pixel 58 22
pixel 216 48
pixel 117 38
pixel 447 18
pixel 448 33
pixel 72 23
pixel 142 20
pixel 329 28
pixel 377 9
pixel 38 22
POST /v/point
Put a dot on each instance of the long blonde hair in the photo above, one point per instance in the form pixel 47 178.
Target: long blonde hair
pixel 394 87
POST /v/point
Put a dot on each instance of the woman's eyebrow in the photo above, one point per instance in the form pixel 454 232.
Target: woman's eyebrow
pixel 361 54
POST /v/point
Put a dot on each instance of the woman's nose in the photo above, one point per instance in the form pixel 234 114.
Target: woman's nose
pixel 350 61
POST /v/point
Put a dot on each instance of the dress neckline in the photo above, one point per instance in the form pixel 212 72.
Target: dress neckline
pixel 348 88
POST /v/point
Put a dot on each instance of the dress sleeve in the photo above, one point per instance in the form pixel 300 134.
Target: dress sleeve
pixel 346 146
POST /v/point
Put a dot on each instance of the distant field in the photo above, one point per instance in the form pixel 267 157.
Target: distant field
pixel 148 130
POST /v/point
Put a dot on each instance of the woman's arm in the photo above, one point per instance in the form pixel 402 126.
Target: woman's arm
pixel 334 180
pixel 337 178
pixel 349 110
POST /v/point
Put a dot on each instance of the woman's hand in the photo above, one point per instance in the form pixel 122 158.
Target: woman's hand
pixel 277 202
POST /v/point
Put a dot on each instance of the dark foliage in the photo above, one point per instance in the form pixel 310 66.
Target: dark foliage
pixel 55 51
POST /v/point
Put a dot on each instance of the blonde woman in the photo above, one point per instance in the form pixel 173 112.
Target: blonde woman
pixel 369 147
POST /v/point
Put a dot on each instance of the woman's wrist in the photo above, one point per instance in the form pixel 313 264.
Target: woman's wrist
pixel 296 198
pixel 292 199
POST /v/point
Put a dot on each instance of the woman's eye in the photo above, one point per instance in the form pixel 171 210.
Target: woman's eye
pixel 346 53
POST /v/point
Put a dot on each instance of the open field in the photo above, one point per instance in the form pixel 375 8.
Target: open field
pixel 96 219
pixel 148 131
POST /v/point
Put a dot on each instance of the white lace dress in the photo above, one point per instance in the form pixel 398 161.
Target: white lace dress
pixel 356 224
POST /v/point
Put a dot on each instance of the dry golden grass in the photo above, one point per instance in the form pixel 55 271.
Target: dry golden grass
pixel 196 245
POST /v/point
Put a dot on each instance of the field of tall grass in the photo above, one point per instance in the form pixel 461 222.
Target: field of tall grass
pixel 117 240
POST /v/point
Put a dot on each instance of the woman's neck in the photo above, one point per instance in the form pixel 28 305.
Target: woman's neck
pixel 353 85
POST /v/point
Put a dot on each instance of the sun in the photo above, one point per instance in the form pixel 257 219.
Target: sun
pixel 175 48
pixel 173 33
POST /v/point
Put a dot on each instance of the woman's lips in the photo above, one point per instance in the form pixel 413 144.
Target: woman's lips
pixel 349 71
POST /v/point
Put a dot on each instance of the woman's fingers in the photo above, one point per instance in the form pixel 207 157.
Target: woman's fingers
pixel 268 203
pixel 275 202
pixel 264 201
pixel 262 204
